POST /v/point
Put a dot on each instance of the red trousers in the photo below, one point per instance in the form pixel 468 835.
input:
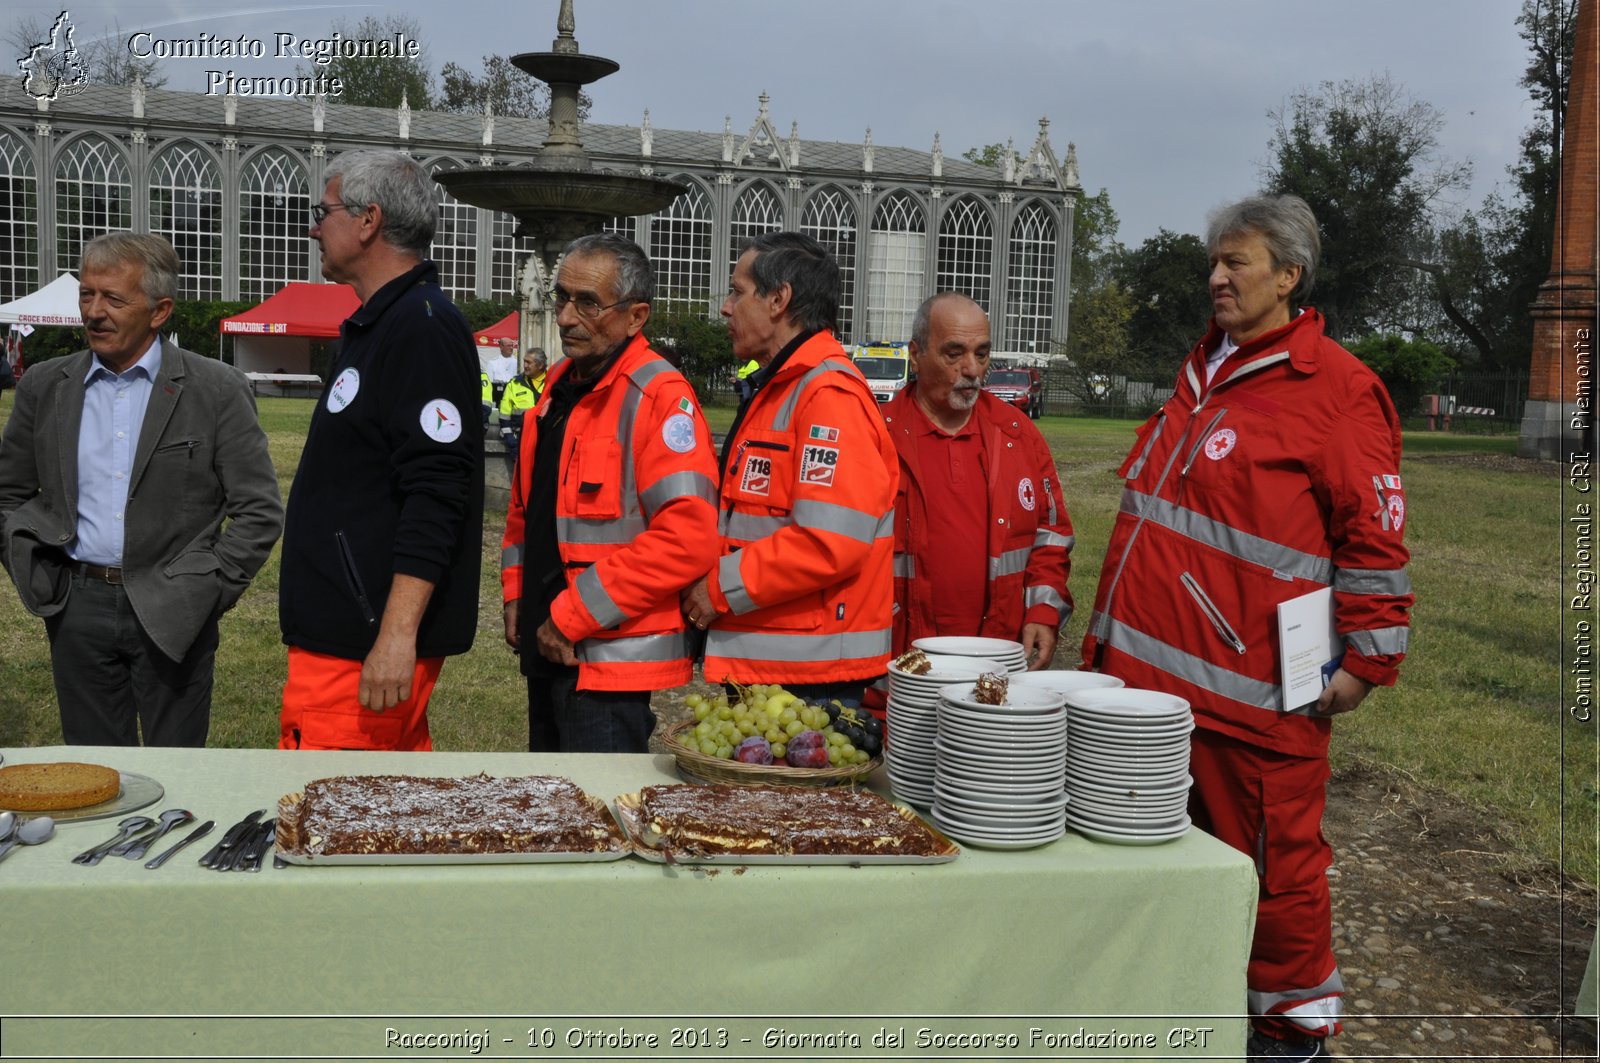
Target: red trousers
pixel 1269 806
pixel 322 707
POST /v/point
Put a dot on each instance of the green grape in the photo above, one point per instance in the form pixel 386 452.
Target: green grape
pixel 703 729
pixel 834 756
pixel 708 747
pixel 725 713
pixel 788 716
pixel 835 738
pixel 748 728
pixel 793 727
pixel 701 711
pixel 724 752
pixel 774 735
pixel 861 756
pixel 779 749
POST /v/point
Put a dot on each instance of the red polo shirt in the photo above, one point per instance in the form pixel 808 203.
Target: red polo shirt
pixel 956 491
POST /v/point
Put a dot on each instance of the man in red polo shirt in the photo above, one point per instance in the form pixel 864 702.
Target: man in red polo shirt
pixel 982 539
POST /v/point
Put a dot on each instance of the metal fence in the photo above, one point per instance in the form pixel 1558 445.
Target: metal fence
pixel 1464 399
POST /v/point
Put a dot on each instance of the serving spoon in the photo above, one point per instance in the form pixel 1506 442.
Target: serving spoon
pixel 32 832
pixel 125 830
pixel 134 849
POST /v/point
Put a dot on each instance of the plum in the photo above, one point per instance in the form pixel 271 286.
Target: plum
pixel 808 749
pixel 754 750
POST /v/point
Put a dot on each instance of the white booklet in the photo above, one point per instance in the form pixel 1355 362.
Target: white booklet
pixel 1309 647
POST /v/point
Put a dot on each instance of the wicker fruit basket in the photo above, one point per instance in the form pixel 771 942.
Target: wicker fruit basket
pixel 695 766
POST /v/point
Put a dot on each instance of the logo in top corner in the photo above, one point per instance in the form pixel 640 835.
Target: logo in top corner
pixel 53 68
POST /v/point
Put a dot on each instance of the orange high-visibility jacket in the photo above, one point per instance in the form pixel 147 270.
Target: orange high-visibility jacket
pixel 1280 477
pixel 635 521
pixel 806 523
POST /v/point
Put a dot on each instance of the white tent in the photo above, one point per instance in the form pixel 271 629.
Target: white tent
pixel 54 304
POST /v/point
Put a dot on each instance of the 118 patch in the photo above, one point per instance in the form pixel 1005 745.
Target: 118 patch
pixel 817 465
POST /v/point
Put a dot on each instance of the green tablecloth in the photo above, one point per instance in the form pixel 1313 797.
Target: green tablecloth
pixel 1076 928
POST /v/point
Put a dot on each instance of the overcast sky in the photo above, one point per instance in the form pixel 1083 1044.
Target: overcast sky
pixel 1166 100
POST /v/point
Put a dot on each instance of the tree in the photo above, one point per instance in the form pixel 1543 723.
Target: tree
pixel 105 59
pixel 380 81
pixel 1485 269
pixel 1100 363
pixel 699 344
pixel 1166 278
pixel 990 155
pixel 1363 155
pixel 1408 368
pixel 501 86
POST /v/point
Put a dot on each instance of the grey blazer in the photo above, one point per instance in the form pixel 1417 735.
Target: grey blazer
pixel 202 457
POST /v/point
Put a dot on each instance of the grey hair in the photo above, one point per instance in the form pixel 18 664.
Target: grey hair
pixel 157 257
pixel 1284 223
pixel 399 185
pixel 636 277
pixel 922 323
pixel 810 271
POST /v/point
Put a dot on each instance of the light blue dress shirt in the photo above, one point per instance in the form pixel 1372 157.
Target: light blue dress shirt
pixel 113 412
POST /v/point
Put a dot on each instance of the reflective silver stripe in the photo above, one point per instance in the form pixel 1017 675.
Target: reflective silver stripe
pixel 1046 537
pixel 1149 444
pixel 619 532
pixel 1256 366
pixel 635 649
pixel 1009 563
pixel 1371 581
pixel 796 649
pixel 510 556
pixel 785 414
pixel 885 529
pixel 841 520
pixel 748 527
pixel 1193 377
pixel 905 566
pixel 731 580
pixel 1187 666
pixel 1262 1003
pixel 597 600
pixel 1241 544
pixel 677 485
pixel 1374 642
pixel 1044 596
pixel 647 372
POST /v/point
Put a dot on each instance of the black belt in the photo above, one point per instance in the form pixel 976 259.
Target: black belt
pixel 99 572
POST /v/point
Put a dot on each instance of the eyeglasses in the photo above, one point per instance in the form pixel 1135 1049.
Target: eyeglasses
pixel 585 305
pixel 320 211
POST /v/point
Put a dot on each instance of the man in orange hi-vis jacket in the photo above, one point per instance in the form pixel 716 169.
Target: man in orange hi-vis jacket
pixel 613 512
pixel 802 593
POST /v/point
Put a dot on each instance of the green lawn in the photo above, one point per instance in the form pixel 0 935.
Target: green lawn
pixel 1477 717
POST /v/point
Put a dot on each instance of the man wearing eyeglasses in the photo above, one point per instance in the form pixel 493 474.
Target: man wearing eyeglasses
pixel 612 512
pixel 381 544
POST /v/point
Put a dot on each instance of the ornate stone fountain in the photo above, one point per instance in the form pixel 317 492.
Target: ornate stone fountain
pixel 559 196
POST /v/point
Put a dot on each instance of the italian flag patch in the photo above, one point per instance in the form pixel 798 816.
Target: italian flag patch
pixel 685 405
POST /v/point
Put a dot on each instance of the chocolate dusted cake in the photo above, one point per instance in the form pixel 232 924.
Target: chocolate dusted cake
pixel 913 662
pixel 722 819
pixel 991 688
pixel 423 815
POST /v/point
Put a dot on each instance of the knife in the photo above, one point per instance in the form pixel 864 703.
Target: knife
pixel 266 834
pixel 195 835
pixel 235 834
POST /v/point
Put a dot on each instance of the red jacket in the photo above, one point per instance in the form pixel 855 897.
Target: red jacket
pixel 635 521
pixel 1281 477
pixel 804 579
pixel 1030 534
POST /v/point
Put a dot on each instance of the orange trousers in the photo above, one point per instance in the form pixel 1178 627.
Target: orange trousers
pixel 322 707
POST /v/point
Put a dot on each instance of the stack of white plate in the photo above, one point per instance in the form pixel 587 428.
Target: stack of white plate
pixel 1128 765
pixel 913 725
pixel 1002 655
pixel 1000 769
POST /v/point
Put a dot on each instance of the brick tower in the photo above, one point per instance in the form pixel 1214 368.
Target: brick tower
pixel 1558 419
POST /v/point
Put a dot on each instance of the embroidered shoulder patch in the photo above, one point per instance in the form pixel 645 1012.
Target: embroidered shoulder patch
pixel 441 420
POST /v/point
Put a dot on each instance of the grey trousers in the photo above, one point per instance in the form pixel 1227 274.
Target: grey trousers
pixel 112 684
pixel 564 719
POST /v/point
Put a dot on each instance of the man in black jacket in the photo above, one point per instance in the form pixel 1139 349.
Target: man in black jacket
pixel 381 546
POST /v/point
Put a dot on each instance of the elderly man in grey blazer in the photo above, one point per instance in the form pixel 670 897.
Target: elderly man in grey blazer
pixel 137 501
